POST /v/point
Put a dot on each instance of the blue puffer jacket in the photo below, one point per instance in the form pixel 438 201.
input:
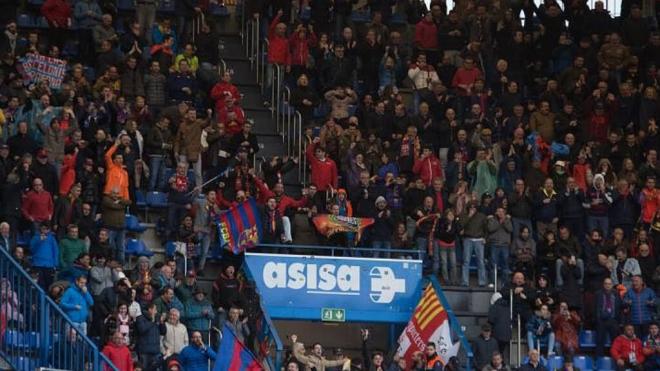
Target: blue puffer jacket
pixel 642 305
pixel 46 252
pixel 74 297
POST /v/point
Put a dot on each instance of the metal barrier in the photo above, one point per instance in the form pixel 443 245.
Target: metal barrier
pixel 275 91
pixel 38 333
pixel 284 119
pixel 335 250
pixel 302 162
pixel 261 71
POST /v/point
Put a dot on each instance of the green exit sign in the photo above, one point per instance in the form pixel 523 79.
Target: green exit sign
pixel 333 315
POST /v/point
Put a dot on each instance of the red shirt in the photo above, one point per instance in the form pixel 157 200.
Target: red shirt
pixel 622 347
pixel 220 92
pixel 56 11
pixel 323 173
pixel 426 35
pixel 278 46
pixel 120 356
pixel 37 206
pixel 464 76
pixel 427 169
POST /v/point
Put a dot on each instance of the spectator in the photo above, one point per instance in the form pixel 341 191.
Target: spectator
pixel 149 329
pixel 473 230
pixel 624 268
pixel 651 350
pixel 534 362
pixel 540 330
pixel 316 358
pixel 195 357
pixel 37 205
pixel 176 335
pixel 199 314
pixel 627 350
pixel 499 230
pixel 484 347
pixel 237 325
pixel 70 247
pixel 114 219
pixel 118 353
pixel 76 303
pixel 496 363
pixel 45 255
pixel 640 300
pixel 168 301
pixel 567 325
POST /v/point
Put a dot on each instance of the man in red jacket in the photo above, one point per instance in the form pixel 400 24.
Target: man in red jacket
pixel 58 15
pixel 278 52
pixel 428 166
pixel 118 353
pixel 627 350
pixel 323 168
pixel 426 38
pixel 37 205
pixel 223 89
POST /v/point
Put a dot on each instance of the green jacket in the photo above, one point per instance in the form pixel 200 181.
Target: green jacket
pixel 70 249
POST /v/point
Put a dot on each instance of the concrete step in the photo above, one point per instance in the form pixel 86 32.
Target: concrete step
pixel 243 74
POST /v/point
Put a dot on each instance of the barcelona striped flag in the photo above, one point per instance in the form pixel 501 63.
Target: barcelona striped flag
pixel 233 355
pixel 239 228
pixel 429 323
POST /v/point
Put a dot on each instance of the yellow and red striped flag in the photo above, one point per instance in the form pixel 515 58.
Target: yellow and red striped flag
pixel 429 323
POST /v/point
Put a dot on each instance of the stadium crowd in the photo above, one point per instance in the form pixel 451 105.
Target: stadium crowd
pixel 516 139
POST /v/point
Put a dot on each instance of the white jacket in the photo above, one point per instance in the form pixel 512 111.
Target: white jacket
pixel 420 77
pixel 174 340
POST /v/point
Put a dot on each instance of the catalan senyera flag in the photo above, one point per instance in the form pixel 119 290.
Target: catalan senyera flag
pixel 239 228
pixel 429 323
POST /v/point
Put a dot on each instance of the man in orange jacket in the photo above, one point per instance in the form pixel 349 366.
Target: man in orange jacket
pixel 433 361
pixel 627 350
pixel 116 175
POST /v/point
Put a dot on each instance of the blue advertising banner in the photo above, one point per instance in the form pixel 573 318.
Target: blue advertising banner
pixel 371 290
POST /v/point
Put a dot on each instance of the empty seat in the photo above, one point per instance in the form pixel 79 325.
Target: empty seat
pixel 583 363
pixel 133 224
pixel 157 199
pixel 555 362
pixel 587 339
pixel 24 20
pixel 605 364
pixel 137 247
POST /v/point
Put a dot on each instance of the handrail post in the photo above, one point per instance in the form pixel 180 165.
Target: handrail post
pixel 300 142
pixel 273 67
pixel 257 49
pixel 44 332
pixel 518 347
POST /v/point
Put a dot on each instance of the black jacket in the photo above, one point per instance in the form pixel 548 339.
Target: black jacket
pixel 148 335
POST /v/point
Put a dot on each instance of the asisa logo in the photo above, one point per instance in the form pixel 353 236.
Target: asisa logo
pixel 331 279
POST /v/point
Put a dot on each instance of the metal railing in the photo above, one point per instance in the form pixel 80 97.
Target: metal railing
pixel 38 333
pixel 454 323
pixel 347 251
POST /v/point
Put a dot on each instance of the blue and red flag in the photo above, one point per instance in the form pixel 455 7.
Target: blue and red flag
pixel 239 228
pixel 233 355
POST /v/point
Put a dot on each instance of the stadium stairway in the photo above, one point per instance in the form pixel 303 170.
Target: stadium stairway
pixel 271 143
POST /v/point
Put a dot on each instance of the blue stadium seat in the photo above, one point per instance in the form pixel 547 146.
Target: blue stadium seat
pixel 137 248
pixel 23 239
pixel 125 5
pixel 587 339
pixel 36 2
pixel 140 199
pixel 584 363
pixel 170 248
pixel 42 22
pixel 167 6
pixel 157 200
pixel 218 10
pixel 32 340
pixel 605 364
pixel 90 73
pixel 25 21
pixel 13 339
pixel 133 224
pixel 555 362
pixel 305 13
pixel 398 19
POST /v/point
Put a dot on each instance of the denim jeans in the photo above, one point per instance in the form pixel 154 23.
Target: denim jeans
pixel 385 245
pixel 600 222
pixel 499 259
pixel 196 166
pixel 422 247
pixel 448 258
pixel 205 243
pixel 559 263
pixel 476 245
pixel 117 239
pixel 157 167
pixel 532 339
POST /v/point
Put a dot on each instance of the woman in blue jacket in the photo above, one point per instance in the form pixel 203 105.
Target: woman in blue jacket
pixel 45 255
